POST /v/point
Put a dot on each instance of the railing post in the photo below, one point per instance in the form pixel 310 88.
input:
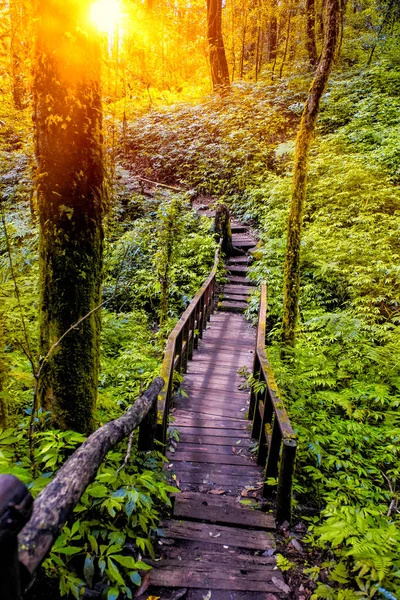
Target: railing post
pixel 148 428
pixel 274 446
pixel 178 352
pixel 190 342
pixel 285 483
pixel 196 326
pixel 15 511
pixel 253 394
pixel 264 438
pixel 201 317
pixel 185 351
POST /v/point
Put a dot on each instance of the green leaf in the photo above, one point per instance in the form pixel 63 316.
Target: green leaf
pixel 112 594
pixel 135 578
pixel 142 566
pixel 125 561
pixel 88 569
pixel 98 491
pixel 93 543
pixel 68 550
pixel 113 572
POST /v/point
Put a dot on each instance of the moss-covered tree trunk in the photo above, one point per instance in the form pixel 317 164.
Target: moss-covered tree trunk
pixel 218 62
pixel 303 142
pixel 311 43
pixel 68 137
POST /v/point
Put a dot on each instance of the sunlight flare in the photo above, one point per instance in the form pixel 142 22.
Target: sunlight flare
pixel 106 15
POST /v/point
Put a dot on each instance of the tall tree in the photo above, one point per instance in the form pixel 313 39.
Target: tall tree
pixel 68 137
pixel 303 142
pixel 311 44
pixel 19 48
pixel 219 65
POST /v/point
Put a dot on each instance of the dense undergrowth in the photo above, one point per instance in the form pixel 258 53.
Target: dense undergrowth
pixel 342 384
pixel 115 524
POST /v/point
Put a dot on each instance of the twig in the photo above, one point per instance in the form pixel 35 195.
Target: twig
pixel 128 453
pixel 393 502
pixel 169 187
pixel 27 350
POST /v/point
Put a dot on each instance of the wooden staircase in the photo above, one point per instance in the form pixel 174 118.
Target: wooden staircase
pixel 236 292
pixel 217 544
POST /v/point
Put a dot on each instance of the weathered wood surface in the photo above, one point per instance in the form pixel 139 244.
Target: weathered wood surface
pixel 221 535
pixel 217 541
pixel 54 504
pixel 206 507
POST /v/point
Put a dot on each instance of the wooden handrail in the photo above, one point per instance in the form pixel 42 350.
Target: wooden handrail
pixel 271 424
pixel 181 343
pixel 37 533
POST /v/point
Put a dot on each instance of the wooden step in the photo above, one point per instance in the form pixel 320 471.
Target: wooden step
pixel 238 228
pixel 196 506
pixel 238 270
pixel 234 307
pixel 235 298
pixel 237 289
pixel 238 260
pixel 212 573
pixel 221 535
pixel 236 280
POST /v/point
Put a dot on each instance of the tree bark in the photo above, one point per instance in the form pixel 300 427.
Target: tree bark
pixel 218 63
pixel 68 144
pixel 55 503
pixel 311 43
pixel 303 142
pixel 19 48
pixel 273 32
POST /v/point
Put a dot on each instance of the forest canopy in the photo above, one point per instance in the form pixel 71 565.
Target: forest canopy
pixel 118 119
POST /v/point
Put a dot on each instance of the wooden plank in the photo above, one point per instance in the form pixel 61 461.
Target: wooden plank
pixel 210 411
pixel 219 534
pixel 193 403
pixel 237 289
pixel 228 384
pixel 211 553
pixel 192 574
pixel 218 468
pixel 210 480
pixel 227 483
pixel 185 431
pixel 223 510
pixel 218 370
pixel 212 449
pixel 240 442
pixel 193 419
pixel 201 593
pixel 204 457
pixel 241 281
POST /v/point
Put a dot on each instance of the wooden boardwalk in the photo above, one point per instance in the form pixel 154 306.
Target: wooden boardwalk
pixel 216 547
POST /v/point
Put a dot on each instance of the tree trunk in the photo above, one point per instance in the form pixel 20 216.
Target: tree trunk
pixel 273 32
pixel 303 142
pixel 218 63
pixel 68 144
pixel 311 44
pixel 19 45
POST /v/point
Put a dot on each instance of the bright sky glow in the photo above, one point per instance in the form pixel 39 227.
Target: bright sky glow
pixel 106 15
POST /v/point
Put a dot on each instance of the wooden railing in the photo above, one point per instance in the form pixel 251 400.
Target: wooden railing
pixel 182 341
pixel 29 529
pixel 271 425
